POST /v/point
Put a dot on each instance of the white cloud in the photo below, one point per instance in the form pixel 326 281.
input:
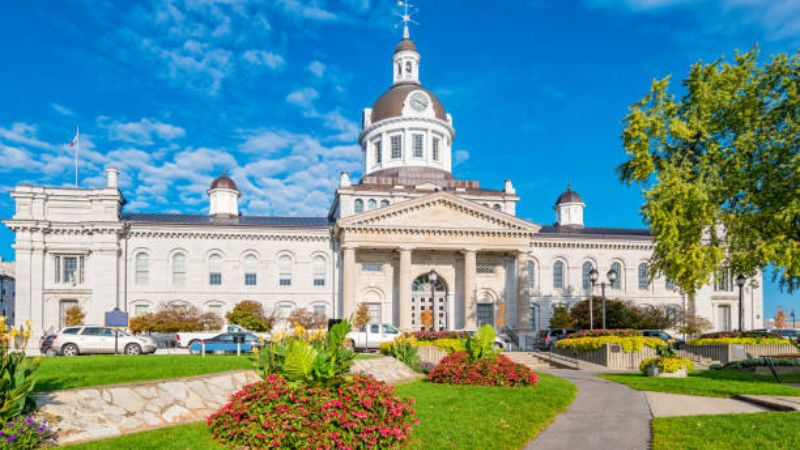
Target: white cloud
pixel 142 132
pixel 304 98
pixel 16 159
pixel 23 133
pixel 460 156
pixel 61 109
pixel 306 10
pixel 317 68
pixel 264 58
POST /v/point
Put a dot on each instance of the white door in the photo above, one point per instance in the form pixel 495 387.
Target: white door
pixel 724 318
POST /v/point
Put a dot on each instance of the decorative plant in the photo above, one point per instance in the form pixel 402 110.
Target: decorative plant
pixel 361 317
pixel 250 314
pixel 74 316
pixel 426 318
pixel 481 344
pixel 667 364
pixel 16 383
pixel 405 351
pixel 739 337
pixel 171 318
pixel 460 368
pixel 306 319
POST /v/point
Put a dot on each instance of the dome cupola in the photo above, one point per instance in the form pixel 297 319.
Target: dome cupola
pixel 223 197
pixel 569 209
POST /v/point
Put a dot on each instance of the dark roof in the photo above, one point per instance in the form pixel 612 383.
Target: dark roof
pixel 246 221
pixel 390 104
pixel 569 196
pixel 224 182
pixel 556 231
pixel 405 44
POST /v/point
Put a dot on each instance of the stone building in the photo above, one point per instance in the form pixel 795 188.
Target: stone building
pixel 385 236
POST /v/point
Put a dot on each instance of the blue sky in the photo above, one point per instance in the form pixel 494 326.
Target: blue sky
pixel 173 91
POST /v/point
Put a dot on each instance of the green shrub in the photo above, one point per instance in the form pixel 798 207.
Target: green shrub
pixel 667 364
pixel 481 344
pixel 628 343
pixel 406 353
pixel 740 338
pixel 250 315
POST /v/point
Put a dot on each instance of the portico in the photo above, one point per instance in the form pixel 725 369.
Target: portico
pixel 479 255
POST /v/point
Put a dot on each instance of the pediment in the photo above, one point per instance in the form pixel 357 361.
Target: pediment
pixel 441 210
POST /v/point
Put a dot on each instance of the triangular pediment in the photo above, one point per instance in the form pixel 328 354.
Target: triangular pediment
pixel 440 210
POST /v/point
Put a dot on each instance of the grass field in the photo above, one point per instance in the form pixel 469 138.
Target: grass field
pixel 712 383
pixel 451 417
pixel 774 430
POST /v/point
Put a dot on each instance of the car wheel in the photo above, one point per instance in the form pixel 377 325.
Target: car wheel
pixel 194 350
pixel 133 349
pixel 193 342
pixel 70 350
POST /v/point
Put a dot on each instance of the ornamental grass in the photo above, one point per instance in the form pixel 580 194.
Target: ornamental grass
pixel 361 414
pixel 667 364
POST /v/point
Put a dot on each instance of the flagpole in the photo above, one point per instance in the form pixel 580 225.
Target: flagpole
pixel 77 150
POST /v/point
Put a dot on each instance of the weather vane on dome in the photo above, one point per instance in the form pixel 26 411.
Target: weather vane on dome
pixel 405 16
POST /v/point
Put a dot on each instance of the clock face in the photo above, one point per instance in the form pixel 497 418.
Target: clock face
pixel 418 101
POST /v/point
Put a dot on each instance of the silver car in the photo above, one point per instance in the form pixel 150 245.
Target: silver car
pixel 93 339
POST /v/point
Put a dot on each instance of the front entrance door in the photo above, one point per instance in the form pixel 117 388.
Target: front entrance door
pixel 429 308
pixel 724 318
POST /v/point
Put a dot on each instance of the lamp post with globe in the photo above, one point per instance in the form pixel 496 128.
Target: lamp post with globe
pixel 594 275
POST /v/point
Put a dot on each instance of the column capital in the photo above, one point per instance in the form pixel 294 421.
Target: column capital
pixel 405 249
pixel 466 250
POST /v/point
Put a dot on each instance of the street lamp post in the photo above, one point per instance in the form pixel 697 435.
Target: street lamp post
pixel 593 277
pixel 432 277
pixel 740 281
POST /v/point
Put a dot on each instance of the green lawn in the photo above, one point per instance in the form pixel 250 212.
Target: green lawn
pixel 773 430
pixel 712 383
pixel 450 417
pixel 64 373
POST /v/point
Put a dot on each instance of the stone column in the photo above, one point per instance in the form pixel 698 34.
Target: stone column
pixel 470 302
pixel 523 306
pixel 348 282
pixel 404 289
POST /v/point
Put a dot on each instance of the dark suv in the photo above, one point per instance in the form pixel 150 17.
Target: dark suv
pixel 664 336
pixel 546 338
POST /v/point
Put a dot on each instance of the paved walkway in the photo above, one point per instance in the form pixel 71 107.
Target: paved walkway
pixel 664 404
pixel 604 415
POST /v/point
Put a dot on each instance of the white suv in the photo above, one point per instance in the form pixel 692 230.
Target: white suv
pixel 91 339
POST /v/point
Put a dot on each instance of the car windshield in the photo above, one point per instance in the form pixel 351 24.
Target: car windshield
pixel 388 329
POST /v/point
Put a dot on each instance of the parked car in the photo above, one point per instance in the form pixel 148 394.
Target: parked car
pixel 186 339
pixel 501 341
pixel 227 343
pixel 46 345
pixel 92 339
pixel 664 336
pixel 545 339
pixel 793 334
pixel 372 337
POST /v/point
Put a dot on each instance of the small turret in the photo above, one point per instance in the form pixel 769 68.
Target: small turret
pixel 224 197
pixel 569 209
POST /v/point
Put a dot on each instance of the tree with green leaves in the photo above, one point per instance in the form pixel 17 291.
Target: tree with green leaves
pixel 720 170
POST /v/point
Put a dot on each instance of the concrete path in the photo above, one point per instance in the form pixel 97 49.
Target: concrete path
pixel 664 404
pixel 773 402
pixel 604 415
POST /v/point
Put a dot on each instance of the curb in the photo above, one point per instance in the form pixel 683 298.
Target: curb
pixel 773 404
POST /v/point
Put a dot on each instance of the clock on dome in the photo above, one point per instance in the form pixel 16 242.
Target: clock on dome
pixel 419 101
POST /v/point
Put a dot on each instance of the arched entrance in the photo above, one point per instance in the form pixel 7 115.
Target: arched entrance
pixel 429 308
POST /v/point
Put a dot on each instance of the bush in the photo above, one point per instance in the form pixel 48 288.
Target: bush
pixel 460 368
pixel 250 315
pixel 307 320
pixel 590 343
pixel 405 352
pixel 667 364
pixel 437 335
pixel 25 433
pixel 740 337
pixel 171 318
pixel 364 413
pixel 449 345
pixel 597 333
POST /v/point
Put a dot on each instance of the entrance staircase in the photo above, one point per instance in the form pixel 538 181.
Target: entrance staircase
pixel 529 359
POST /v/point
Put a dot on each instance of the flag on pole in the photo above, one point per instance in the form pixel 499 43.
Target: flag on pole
pixel 76 142
pixel 77 137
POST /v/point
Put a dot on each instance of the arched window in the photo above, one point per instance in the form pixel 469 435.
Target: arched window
pixel 399 68
pixel 408 67
pixel 142 268
pixel 215 270
pixel 285 269
pixel 558 275
pixel 358 206
pixel 178 269
pixel 617 284
pixel 384 203
pixel 250 270
pixel 372 204
pixel 587 280
pixel 531 274
pixel 496 207
pixel 319 271
pixel 643 281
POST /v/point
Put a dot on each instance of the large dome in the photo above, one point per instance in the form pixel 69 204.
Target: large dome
pixel 390 104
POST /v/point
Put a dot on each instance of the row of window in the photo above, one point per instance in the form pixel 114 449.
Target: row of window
pixel 417 147
pixel 560 281
pixel 358 205
pixel 249 273
pixel 282 309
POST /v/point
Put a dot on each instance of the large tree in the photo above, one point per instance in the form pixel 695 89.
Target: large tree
pixel 720 169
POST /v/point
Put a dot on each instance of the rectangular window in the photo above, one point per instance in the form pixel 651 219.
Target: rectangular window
pixel 670 285
pixel 372 267
pixel 374 310
pixel 532 317
pixel 69 269
pixel 140 310
pixel 215 278
pixel 485 268
pixel 319 281
pixel 417 145
pixel 485 314
pixel 284 281
pixel 250 279
pixel 320 310
pixel 378 152
pixel 397 146
pixel 435 149
pixel 58 269
pixel 723 281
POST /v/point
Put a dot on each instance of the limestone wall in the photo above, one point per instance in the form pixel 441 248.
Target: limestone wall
pixel 107 411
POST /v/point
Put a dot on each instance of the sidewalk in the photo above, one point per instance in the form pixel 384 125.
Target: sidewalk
pixel 664 404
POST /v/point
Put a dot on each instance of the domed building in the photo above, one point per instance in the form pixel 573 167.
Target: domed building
pixel 408 238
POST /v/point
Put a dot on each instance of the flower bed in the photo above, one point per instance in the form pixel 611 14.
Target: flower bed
pixel 598 333
pixel 459 368
pixel 739 337
pixel 628 343
pixel 667 364
pixel 436 335
pixel 447 344
pixel 363 413
pixel 25 433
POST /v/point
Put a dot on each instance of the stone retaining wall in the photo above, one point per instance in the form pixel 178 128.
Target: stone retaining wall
pixel 107 411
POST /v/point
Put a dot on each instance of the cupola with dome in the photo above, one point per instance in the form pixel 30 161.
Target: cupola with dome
pixel 223 197
pixel 569 209
pixel 407 127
